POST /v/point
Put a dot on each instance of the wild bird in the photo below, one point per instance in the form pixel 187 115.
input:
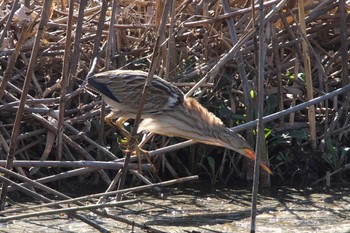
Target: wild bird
pixel 166 111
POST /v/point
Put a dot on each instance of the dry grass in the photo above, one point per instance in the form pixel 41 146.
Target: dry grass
pixel 50 63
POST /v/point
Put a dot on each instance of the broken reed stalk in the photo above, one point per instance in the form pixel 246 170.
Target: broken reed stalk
pixel 111 41
pixel 344 47
pixel 308 76
pixel 65 79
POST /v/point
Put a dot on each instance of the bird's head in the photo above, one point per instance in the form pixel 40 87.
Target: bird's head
pixel 236 142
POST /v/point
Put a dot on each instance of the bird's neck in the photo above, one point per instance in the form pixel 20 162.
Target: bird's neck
pixel 189 120
pixel 205 123
pixel 200 113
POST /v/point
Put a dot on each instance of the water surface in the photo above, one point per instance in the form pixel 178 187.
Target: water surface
pixel 204 209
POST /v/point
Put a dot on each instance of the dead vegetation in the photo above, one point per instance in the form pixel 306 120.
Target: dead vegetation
pixel 52 127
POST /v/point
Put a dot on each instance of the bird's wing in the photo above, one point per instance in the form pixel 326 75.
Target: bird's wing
pixel 126 86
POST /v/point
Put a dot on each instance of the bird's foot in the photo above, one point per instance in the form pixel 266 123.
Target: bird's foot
pixel 131 144
pixel 119 124
pixel 138 151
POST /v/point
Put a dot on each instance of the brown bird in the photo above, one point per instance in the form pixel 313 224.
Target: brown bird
pixel 166 111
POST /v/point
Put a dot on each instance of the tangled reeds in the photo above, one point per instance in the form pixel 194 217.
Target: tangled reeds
pixel 209 49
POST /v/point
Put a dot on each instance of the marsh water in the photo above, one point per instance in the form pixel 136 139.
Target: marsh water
pixel 200 208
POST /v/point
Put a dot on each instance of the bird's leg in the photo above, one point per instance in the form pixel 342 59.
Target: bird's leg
pixel 130 142
pixel 133 146
pixel 138 151
pixel 118 123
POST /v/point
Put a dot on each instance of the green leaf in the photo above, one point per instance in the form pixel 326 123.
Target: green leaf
pixel 211 163
pixel 252 94
pixel 299 134
pixel 289 74
pixel 302 76
pixel 267 132
pixel 331 146
pixel 271 104
pixel 124 140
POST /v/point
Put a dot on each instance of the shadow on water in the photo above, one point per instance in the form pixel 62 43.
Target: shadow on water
pixel 280 208
pixel 196 220
pixel 313 199
pixel 198 207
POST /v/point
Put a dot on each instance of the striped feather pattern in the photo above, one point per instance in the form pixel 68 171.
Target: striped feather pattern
pixel 126 87
pixel 192 121
pixel 166 112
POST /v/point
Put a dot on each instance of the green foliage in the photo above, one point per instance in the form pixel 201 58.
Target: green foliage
pixel 267 132
pixel 289 75
pixel 271 104
pixel 211 169
pixel 225 112
pixel 300 134
pixel 196 155
pixel 335 158
pixel 302 76
pixel 252 94
pixel 284 157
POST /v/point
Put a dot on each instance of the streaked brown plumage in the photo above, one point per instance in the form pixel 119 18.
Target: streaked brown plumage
pixel 166 111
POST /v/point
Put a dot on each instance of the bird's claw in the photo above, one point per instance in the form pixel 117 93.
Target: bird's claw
pixel 131 145
pixel 130 142
pixel 119 125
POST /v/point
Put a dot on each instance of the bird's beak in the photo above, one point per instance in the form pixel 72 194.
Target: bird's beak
pixel 251 154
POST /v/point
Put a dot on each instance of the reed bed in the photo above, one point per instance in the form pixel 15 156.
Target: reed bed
pixel 52 128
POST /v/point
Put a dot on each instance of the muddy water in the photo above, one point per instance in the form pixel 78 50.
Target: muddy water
pixel 201 209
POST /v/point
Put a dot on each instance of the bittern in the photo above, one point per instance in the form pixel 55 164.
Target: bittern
pixel 166 111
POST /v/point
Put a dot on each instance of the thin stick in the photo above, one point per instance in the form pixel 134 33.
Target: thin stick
pixel 307 68
pixel 65 79
pixel 296 108
pixel 75 164
pixel 112 38
pixel 67 210
pixel 60 176
pixel 260 129
pixel 110 193
pixel 344 46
